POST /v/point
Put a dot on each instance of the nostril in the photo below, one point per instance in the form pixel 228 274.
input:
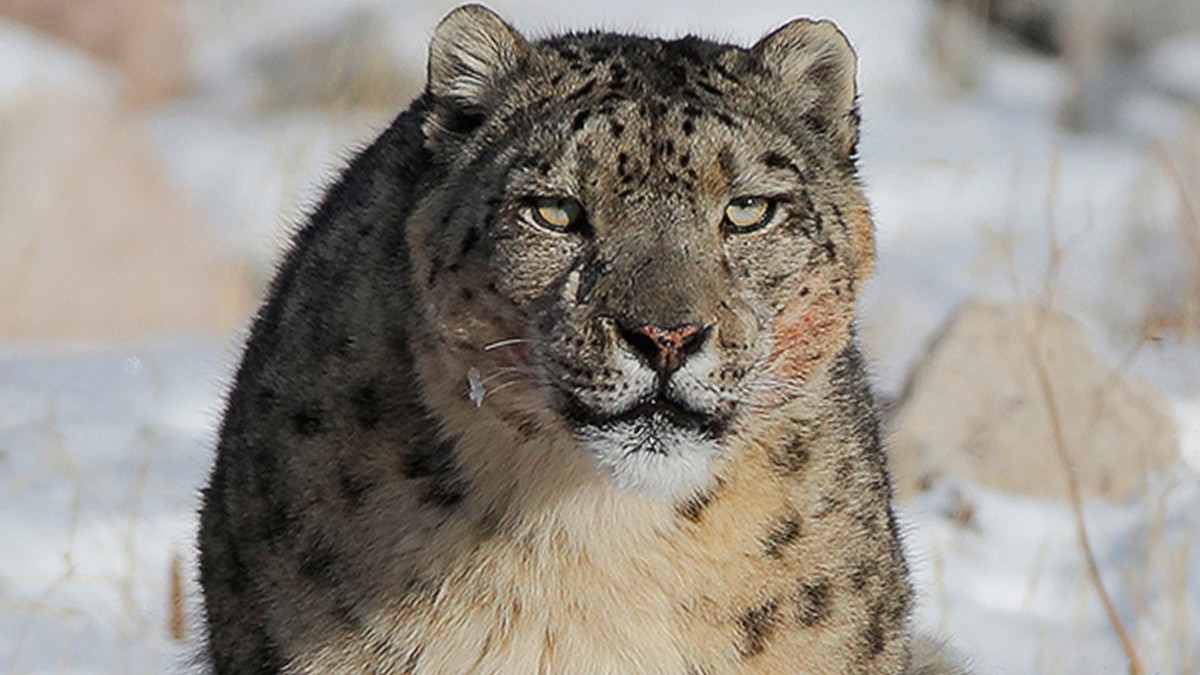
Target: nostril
pixel 642 343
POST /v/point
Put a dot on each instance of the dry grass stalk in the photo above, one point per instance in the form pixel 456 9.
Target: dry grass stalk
pixel 1076 500
pixel 176 612
pixel 1053 270
pixel 1189 225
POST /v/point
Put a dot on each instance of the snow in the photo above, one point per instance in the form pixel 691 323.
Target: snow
pixel 103 449
pixel 102 454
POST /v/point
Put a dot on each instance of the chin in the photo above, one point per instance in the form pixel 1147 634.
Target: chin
pixel 653 453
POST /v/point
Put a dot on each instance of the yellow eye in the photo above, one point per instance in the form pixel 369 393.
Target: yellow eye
pixel 748 213
pixel 557 213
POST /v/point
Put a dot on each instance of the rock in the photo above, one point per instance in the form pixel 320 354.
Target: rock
pixel 145 40
pixel 95 243
pixel 974 409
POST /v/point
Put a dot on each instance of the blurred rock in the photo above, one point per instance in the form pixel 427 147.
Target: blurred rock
pixel 346 64
pixel 143 39
pixel 974 409
pixel 95 243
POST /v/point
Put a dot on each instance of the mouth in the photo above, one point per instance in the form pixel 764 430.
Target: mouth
pixel 657 408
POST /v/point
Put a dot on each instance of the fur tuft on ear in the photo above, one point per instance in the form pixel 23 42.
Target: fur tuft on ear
pixel 471 51
pixel 817 67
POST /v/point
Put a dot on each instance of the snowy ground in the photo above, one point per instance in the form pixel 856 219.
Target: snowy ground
pixel 103 449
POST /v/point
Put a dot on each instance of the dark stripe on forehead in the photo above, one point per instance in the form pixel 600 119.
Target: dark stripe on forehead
pixel 777 160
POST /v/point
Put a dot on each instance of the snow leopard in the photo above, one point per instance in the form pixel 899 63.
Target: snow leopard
pixel 561 377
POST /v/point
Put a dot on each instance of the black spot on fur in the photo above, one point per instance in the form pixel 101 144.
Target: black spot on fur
pixel 757 625
pixel 266 658
pixel 831 503
pixel 863 572
pixel 278 522
pixel 782 533
pixel 469 242
pixel 264 401
pixel 443 494
pixel 319 564
pixel 875 636
pixel 345 613
pixel 688 127
pixel 617 128
pixel 263 480
pixel 840 217
pixel 830 250
pixel 435 268
pixel 813 603
pixel 817 124
pixel 693 507
pixel 581 119
pixel 354 487
pixel 821 74
pixel 437 466
pixel 793 457
pixel 776 160
pixel 308 420
pixel 367 405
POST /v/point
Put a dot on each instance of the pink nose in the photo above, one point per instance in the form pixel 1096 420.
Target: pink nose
pixel 665 349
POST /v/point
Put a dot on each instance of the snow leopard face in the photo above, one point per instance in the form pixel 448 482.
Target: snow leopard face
pixel 651 241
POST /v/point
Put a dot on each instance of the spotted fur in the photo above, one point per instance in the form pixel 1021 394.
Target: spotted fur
pixel 465 437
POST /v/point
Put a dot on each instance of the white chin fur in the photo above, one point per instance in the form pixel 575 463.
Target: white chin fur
pixel 652 455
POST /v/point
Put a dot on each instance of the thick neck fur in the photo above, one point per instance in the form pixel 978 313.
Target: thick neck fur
pixel 792 543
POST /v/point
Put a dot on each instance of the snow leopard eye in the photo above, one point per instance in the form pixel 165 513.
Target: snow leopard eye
pixel 558 214
pixel 747 214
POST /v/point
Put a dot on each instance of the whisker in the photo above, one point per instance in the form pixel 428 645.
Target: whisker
pixel 508 342
pixel 507 370
pixel 506 385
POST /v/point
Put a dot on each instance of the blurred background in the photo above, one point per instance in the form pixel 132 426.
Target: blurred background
pixel 1034 167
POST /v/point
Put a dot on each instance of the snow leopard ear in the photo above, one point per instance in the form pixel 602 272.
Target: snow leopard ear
pixel 472 50
pixel 818 68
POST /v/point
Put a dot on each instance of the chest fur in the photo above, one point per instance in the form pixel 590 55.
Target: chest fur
pixel 768 572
